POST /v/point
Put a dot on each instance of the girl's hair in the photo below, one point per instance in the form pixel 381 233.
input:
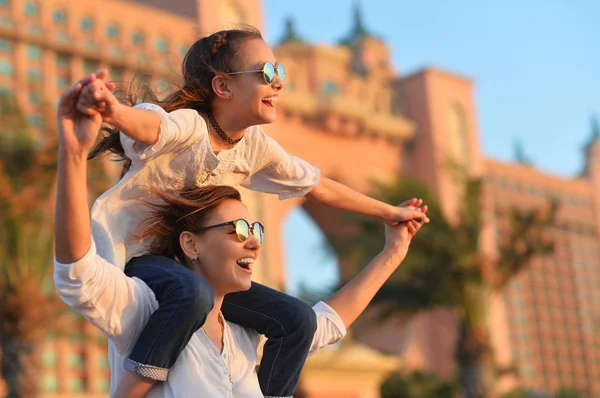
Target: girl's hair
pixel 174 214
pixel 214 55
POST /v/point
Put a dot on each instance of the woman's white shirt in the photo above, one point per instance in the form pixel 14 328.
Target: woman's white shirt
pixel 121 306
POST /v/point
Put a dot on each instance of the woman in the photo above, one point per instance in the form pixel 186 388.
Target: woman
pixel 220 359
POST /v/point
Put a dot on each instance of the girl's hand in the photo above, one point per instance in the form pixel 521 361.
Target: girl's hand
pixel 410 210
pixel 97 98
pixel 76 132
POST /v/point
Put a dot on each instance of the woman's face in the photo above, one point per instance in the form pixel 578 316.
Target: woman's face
pixel 223 259
pixel 252 98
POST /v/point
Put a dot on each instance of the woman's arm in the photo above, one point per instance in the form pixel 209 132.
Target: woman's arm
pixel 340 196
pixel 116 304
pixel 352 299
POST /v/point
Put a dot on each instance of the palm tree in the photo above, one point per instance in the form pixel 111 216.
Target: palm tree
pixel 28 306
pixel 446 267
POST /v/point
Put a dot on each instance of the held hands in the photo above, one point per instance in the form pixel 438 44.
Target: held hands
pixel 97 98
pixel 76 132
pixel 398 237
pixel 411 209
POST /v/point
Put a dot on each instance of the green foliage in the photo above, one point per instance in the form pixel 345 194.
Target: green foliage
pixel 418 385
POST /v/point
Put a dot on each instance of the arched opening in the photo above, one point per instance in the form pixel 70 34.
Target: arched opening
pixel 310 266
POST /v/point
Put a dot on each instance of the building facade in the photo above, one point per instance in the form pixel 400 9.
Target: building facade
pixel 346 110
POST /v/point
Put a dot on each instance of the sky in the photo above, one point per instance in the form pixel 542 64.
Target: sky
pixel 535 65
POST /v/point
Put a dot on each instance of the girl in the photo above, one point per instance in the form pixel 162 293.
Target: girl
pixel 202 227
pixel 207 133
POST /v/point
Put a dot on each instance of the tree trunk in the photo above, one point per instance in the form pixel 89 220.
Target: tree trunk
pixel 477 380
pixel 474 355
pixel 20 369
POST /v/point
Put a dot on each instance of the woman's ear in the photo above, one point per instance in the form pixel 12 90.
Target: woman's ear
pixel 221 87
pixel 188 245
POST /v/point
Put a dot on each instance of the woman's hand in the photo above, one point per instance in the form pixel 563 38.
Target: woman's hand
pixel 77 132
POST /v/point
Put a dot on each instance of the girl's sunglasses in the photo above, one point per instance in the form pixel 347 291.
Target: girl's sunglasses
pixel 242 229
pixel 268 71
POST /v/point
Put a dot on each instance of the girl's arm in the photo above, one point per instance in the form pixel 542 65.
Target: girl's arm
pixel 340 196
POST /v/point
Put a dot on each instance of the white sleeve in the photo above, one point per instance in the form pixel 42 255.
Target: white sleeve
pixel 275 171
pixel 178 130
pixel 118 305
pixel 330 327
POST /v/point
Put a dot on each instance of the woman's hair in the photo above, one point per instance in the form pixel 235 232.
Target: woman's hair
pixel 174 214
pixel 214 55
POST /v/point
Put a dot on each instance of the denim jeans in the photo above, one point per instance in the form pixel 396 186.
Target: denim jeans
pixel 185 299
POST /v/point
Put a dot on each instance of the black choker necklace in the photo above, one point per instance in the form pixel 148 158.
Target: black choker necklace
pixel 219 130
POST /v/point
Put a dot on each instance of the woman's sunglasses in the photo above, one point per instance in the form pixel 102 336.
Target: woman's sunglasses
pixel 242 229
pixel 268 71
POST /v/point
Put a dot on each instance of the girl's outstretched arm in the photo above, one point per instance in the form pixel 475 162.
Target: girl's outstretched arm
pixel 340 196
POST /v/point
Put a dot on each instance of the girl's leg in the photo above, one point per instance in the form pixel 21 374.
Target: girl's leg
pixel 289 325
pixel 184 298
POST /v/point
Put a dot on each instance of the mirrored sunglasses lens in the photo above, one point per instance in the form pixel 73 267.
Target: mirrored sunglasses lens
pixel 258 231
pixel 269 72
pixel 242 229
pixel 281 72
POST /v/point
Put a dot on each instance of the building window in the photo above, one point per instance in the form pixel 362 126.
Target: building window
pixel 5 92
pixel 329 89
pixel 5 46
pixel 103 363
pixel 62 83
pixel 76 384
pixel 4 3
pixel 34 52
pixel 34 98
pixel 62 37
pixel 137 38
pixel 162 44
pixel 62 60
pixel 90 66
pixel 50 383
pixel 112 31
pixel 60 16
pixel 36 120
pixel 6 67
pixel 34 30
pixel 76 361
pixel 34 75
pixel 49 358
pixel 90 44
pixel 105 386
pixel 87 24
pixel 31 9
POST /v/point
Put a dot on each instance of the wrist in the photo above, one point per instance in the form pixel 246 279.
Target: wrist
pixel 395 254
pixel 387 212
pixel 76 155
pixel 115 114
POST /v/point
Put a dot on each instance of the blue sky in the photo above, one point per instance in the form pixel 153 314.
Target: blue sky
pixel 535 64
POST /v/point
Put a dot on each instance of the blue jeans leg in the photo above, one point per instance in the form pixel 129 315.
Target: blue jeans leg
pixel 289 325
pixel 184 298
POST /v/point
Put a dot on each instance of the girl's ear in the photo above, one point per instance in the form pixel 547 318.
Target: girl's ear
pixel 221 87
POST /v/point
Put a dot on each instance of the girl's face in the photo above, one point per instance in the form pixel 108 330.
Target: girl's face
pixel 223 259
pixel 253 100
